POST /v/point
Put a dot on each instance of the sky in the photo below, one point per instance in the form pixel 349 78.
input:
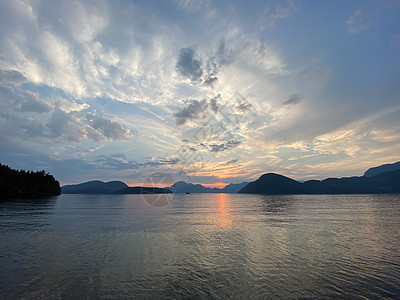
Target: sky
pixel 209 92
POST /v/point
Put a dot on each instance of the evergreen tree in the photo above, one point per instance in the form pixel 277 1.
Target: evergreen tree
pixel 16 184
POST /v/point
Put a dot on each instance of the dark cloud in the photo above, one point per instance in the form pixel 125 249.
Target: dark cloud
pixel 210 80
pixel 191 67
pixel 8 99
pixel 108 128
pixel 188 65
pixel 293 99
pixel 220 147
pixel 17 100
pixel 12 76
pixel 224 146
pixel 213 103
pixel 223 56
pixel 65 125
pixel 243 104
pixel 14 106
pixel 32 103
pixel 33 128
pixel 194 111
pixel 232 161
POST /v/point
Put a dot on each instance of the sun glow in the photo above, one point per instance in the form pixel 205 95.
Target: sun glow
pixel 219 185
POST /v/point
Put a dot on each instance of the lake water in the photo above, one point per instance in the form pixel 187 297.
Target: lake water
pixel 201 246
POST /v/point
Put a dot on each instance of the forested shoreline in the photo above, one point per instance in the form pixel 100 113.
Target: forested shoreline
pixel 21 184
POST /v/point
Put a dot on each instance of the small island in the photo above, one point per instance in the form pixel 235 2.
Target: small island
pixel 20 184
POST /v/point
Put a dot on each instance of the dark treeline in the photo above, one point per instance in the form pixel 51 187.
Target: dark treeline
pixel 17 184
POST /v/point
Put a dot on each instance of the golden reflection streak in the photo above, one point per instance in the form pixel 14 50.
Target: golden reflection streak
pixel 224 218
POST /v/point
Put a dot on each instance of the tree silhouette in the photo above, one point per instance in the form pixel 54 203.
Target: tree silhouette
pixel 17 184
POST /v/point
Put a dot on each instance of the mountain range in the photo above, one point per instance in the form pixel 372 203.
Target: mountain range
pixel 275 184
pixel 184 187
pixel 119 187
pixel 383 179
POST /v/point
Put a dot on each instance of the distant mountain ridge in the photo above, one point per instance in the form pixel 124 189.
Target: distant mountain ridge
pixel 382 179
pixel 119 187
pixel 275 184
pixel 184 187
pixel 94 187
pixel 382 169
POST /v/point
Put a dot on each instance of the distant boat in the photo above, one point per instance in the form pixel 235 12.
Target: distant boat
pixel 188 193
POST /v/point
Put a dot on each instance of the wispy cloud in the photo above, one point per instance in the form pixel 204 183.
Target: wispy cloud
pixel 358 22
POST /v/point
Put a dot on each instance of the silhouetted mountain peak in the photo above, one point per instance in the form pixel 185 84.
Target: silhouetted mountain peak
pixel 273 184
pixel 274 177
pixel 94 187
pixel 382 169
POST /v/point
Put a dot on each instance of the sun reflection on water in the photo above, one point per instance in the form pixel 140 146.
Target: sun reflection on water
pixel 224 218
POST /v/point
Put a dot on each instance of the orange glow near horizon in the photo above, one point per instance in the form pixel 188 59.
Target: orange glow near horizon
pixel 219 185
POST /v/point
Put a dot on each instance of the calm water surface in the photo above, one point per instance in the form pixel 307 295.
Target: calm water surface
pixel 201 246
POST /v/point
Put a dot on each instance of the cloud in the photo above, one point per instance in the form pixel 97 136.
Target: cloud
pixel 108 128
pixel 12 76
pixel 188 65
pixel 243 105
pixel 293 99
pixel 88 49
pixel 214 105
pixel 18 100
pixel 194 111
pixel 215 62
pixel 225 55
pixel 274 11
pixel 65 125
pixel 25 115
pixel 232 161
pixel 221 147
pixel 61 61
pixel 210 81
pixel 192 6
pixel 32 103
pixel 119 161
pixel 358 22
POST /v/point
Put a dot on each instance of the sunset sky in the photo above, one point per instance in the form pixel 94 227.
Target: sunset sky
pixel 204 91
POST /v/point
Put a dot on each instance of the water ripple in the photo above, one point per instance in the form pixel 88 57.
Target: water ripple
pixel 202 246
